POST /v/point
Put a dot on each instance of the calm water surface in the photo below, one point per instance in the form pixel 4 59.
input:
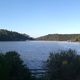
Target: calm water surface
pixel 34 52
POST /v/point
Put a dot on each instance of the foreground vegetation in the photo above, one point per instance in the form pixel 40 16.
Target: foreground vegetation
pixel 6 35
pixel 12 67
pixel 63 65
pixel 61 37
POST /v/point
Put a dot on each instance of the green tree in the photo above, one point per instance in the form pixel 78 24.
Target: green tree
pixel 64 65
pixel 3 68
pixel 12 67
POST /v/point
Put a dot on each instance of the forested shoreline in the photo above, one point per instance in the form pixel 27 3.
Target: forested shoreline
pixel 6 35
pixel 60 37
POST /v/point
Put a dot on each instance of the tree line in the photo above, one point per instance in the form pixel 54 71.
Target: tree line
pixel 60 37
pixel 6 35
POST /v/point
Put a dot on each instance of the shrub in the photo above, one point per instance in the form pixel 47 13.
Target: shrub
pixel 12 67
pixel 64 65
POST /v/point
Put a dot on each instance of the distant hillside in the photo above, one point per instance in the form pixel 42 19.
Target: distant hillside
pixel 61 37
pixel 6 35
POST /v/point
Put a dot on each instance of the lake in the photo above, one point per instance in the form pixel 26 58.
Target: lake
pixel 34 53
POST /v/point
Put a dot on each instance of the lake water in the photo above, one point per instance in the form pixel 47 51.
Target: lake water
pixel 35 52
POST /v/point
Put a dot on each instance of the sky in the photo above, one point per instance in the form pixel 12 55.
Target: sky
pixel 40 17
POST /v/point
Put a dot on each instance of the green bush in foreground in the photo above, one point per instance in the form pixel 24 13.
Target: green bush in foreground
pixel 12 67
pixel 64 65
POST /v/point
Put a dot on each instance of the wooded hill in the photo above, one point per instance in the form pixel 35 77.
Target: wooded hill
pixel 6 35
pixel 60 37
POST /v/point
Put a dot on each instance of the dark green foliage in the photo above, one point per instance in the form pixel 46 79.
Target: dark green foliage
pixel 64 65
pixel 61 37
pixel 6 35
pixel 12 67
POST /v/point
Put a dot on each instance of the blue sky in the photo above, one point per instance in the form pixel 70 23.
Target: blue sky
pixel 40 17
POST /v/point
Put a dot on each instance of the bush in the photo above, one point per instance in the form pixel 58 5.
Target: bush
pixel 12 67
pixel 64 65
